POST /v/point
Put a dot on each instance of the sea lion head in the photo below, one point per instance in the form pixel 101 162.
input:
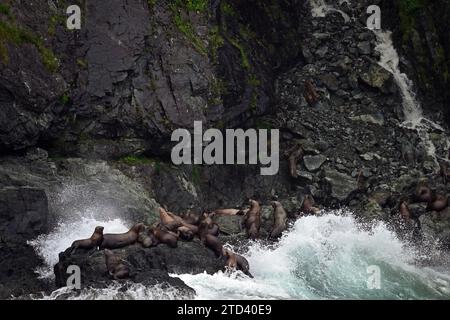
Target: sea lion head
pixel 99 229
pixel 275 204
pixel 138 227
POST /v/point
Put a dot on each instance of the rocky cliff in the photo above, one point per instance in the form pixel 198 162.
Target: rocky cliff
pixel 87 114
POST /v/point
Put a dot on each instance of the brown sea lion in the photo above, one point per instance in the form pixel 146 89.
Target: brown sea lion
pixel 438 203
pixel 185 233
pixel 179 220
pixel 191 218
pixel 308 205
pixel 88 244
pixel 167 237
pixel 422 192
pixel 230 212
pixel 146 238
pixel 404 210
pixel 252 220
pixel 213 243
pixel 207 226
pixel 115 266
pixel 310 93
pixel 168 221
pixel 119 240
pixel 296 154
pixel 236 261
pixel 279 220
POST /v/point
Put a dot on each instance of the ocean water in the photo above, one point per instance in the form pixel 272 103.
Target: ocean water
pixel 326 257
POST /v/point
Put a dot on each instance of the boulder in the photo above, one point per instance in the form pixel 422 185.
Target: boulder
pixel 313 163
pixel 341 184
pixel 146 264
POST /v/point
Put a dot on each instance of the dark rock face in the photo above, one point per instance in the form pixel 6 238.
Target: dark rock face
pixel 23 216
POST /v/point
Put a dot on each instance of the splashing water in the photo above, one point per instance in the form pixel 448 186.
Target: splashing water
pixel 119 291
pixel 327 258
pixel 318 258
pixel 319 9
pixel 48 246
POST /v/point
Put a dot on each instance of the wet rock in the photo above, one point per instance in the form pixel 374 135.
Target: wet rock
pixel 313 163
pixel 330 81
pixel 368 118
pixel 23 216
pixel 156 262
pixel 376 77
pixel 342 185
pixel 229 224
pixel 437 226
pixel 365 47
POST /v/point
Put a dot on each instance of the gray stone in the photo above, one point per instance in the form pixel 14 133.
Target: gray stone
pixel 376 77
pixel 229 224
pixel 341 184
pixel 330 81
pixel 313 163
pixel 365 47
pixel 368 118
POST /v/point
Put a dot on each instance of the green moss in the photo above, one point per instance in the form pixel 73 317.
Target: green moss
pixel 216 41
pixel 137 160
pixel 4 9
pixel 196 175
pixel 408 10
pixel 187 30
pixel 245 63
pixel 81 63
pixel 18 36
pixel 151 3
pixel 253 80
pixel 227 9
pixel 194 5
pixel 254 100
pixel 64 99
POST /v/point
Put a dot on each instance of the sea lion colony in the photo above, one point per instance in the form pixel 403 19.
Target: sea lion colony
pixel 171 228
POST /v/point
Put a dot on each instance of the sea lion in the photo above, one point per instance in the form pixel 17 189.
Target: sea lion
pixel 88 244
pixel 185 233
pixel 168 221
pixel 308 205
pixel 167 237
pixel 207 226
pixel 146 238
pixel 252 220
pixel 438 203
pixel 422 192
pixel 310 93
pixel 119 240
pixel 279 220
pixel 404 210
pixel 237 262
pixel 191 218
pixel 179 220
pixel 296 154
pixel 115 266
pixel 230 212
pixel 213 243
